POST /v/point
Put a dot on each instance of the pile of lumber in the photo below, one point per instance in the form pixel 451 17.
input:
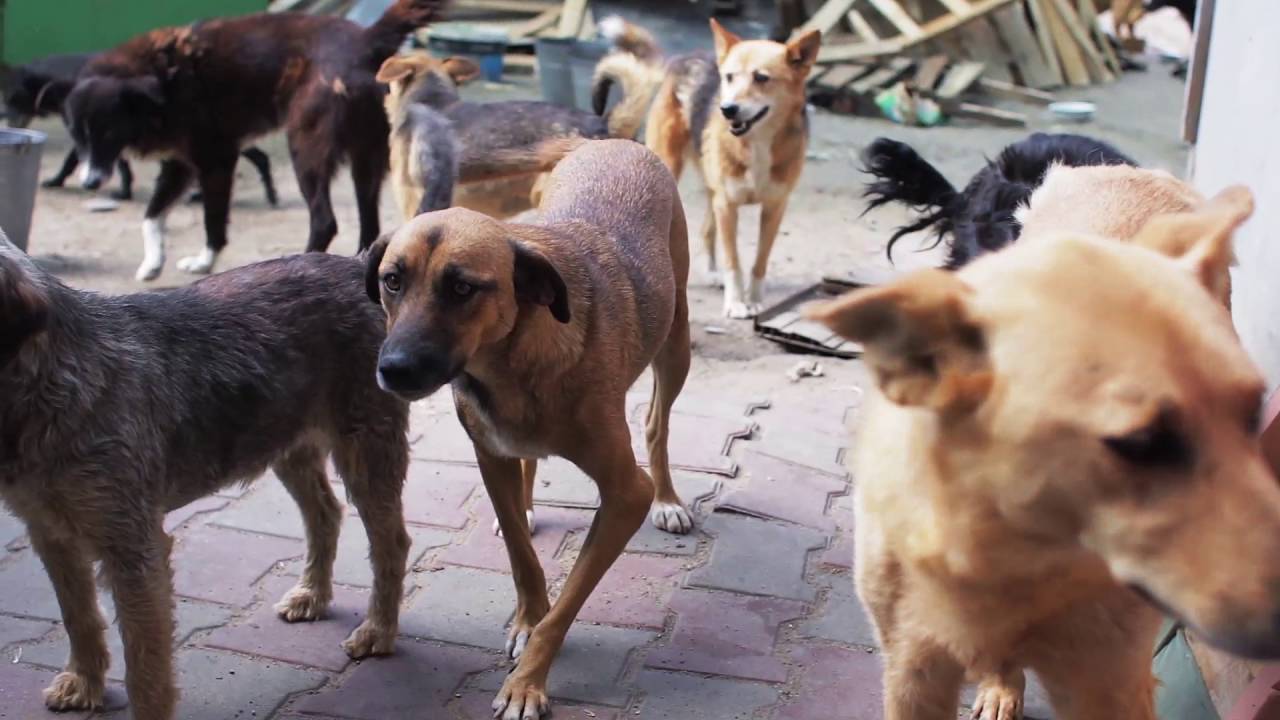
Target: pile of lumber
pixel 1035 43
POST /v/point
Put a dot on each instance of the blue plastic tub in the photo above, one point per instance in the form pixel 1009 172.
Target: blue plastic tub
pixel 486 46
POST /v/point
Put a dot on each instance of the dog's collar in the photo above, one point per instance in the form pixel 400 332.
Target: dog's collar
pixel 746 125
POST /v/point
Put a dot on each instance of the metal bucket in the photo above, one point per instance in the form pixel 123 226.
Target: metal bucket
pixel 19 178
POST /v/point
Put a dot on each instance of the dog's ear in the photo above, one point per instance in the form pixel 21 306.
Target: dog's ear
pixel 373 259
pixel 143 93
pixel 725 40
pixel 396 67
pixel 537 281
pixel 920 341
pixel 24 307
pixel 803 51
pixel 461 70
pixel 1201 239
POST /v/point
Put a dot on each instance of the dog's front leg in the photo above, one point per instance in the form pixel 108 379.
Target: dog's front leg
pixel 216 176
pixel 175 177
pixel 625 495
pixel 1000 696
pixel 921 682
pixel 735 298
pixel 302 474
pixel 68 166
pixel 504 482
pixel 80 685
pixel 771 212
pixel 136 565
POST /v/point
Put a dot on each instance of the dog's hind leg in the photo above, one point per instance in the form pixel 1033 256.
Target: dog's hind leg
pixel 136 564
pixel 126 181
pixel 710 273
pixel 217 172
pixel 262 164
pixel 80 685
pixel 175 177
pixel 314 166
pixel 670 370
pixel 921 682
pixel 528 473
pixel 369 162
pixel 303 475
pixel 374 470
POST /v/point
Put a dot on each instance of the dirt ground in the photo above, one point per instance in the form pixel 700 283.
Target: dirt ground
pixel 823 233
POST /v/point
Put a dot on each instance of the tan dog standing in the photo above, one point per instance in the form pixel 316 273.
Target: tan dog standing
pixel 540 330
pixel 1058 425
pixel 742 121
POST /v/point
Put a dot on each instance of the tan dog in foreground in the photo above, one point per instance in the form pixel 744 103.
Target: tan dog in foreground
pixel 540 330
pixel 1062 429
pixel 741 119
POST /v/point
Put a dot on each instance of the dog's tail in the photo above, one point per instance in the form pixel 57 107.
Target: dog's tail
pixel 498 164
pixel 901 175
pixel 384 37
pixel 636 66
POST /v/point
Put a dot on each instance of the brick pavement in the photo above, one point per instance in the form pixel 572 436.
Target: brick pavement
pixel 752 616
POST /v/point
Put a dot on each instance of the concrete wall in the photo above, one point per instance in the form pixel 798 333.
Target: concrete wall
pixel 1239 142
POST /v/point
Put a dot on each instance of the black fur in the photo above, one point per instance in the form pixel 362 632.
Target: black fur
pixel 978 219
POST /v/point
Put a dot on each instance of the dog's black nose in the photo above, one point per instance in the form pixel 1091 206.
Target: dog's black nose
pixel 412 373
pixel 730 110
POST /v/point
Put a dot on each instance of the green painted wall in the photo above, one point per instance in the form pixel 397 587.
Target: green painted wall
pixel 35 28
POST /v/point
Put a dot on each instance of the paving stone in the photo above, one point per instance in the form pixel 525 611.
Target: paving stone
pixel 351 566
pixel 699 404
pixel 562 484
pixel 475 706
pixel 439 437
pixel 757 556
pixel 680 696
pixel 413 684
pixel 729 635
pixel 841 617
pixel 177 518
pixel 839 554
pixel 17 630
pixel 314 644
pixel 222 565
pixel 268 509
pixel 784 491
pixel 634 592
pixel 484 550
pixel 438 493
pixel 25 588
pixel 695 490
pixel 797 447
pixel 589 666
pixel 11 528
pixel 461 605
pixel 21 696
pixel 224 686
pixel 697 444
pixel 190 616
pixel 841 683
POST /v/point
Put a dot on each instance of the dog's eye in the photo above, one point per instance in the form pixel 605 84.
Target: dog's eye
pixel 760 78
pixel 463 289
pixel 391 281
pixel 1158 445
pixel 728 77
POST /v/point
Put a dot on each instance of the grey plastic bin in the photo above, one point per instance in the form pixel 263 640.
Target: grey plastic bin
pixel 19 179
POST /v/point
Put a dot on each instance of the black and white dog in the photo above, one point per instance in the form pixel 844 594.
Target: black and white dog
pixel 980 218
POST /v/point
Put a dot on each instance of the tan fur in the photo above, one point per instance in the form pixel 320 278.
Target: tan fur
pixel 759 167
pixel 997 528
pixel 541 357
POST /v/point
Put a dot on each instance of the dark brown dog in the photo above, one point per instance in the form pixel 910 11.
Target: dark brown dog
pixel 197 94
pixel 540 330
pixel 118 409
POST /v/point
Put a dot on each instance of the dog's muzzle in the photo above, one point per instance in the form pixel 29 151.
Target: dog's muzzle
pixel 740 127
pixel 416 372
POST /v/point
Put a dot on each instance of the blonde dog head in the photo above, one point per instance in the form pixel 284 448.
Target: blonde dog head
pixel 760 77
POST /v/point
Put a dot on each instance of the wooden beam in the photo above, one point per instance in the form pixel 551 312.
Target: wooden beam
pixel 894 13
pixel 1077 33
pixel 1073 67
pixel 930 30
pixel 862 27
pixel 840 75
pixel 989 114
pixel 571 16
pixel 886 74
pixel 1044 36
pixel 1015 92
pixel 826 17
pixel 858 51
pixel 1012 27
pixel 959 78
pixel 959 7
pixel 1089 16
pixel 930 69
pixel 534 25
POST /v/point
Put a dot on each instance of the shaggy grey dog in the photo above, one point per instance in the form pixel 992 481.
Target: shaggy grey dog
pixel 118 409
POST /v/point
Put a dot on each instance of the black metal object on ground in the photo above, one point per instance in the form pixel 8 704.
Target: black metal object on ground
pixel 784 324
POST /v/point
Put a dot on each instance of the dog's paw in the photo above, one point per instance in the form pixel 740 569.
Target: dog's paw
pixel 149 270
pixel 671 517
pixel 302 603
pixel 741 310
pixel 73 691
pixel 997 702
pixel 369 639
pixel 201 264
pixel 53 182
pixel 528 514
pixel 520 699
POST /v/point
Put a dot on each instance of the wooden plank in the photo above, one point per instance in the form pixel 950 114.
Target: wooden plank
pixel 1073 67
pixel 588 30
pixel 930 30
pixel 858 51
pixel 929 70
pixel 989 114
pixel 534 25
pixel 1015 92
pixel 985 46
pixel 826 17
pixel 1089 16
pixel 886 74
pixel 1012 26
pixel 1044 37
pixel 1081 38
pixel 571 16
pixel 959 78
pixel 959 7
pixel 1195 75
pixel 862 27
pixel 841 75
pixel 894 13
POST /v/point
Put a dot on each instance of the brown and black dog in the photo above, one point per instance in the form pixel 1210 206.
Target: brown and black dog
pixel 197 94
pixel 1064 443
pixel 540 329
pixel 740 117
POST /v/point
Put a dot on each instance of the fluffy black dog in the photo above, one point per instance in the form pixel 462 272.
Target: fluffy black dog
pixel 978 219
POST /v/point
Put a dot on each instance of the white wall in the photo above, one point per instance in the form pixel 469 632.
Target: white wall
pixel 1239 142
